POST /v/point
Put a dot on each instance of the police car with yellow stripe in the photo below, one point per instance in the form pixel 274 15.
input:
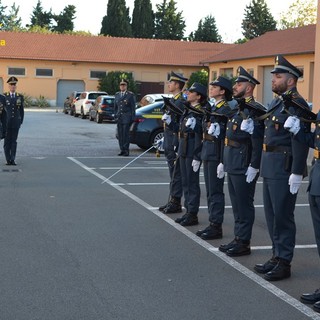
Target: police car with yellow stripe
pixel 147 127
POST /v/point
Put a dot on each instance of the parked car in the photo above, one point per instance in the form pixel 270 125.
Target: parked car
pixel 147 127
pixel 81 107
pixel 68 105
pixel 151 98
pixel 102 109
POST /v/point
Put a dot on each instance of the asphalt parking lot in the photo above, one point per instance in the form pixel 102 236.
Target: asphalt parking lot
pixel 77 245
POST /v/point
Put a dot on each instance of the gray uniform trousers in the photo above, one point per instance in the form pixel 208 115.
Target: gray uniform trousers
pixel 242 197
pixel 279 206
pixel 214 189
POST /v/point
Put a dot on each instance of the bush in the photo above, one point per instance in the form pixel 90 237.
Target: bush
pixel 27 101
pixel 42 102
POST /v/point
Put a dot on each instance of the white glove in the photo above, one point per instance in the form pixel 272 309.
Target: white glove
pixel 214 129
pixel 292 124
pixel 295 182
pixel 191 122
pixel 195 165
pixel 220 171
pixel 159 143
pixel 247 125
pixel 251 174
pixel 166 118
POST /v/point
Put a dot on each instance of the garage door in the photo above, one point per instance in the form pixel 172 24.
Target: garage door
pixel 65 87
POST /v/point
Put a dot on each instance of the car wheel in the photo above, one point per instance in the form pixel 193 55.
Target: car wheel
pixel 158 135
pixel 98 118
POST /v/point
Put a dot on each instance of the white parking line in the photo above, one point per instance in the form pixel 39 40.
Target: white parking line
pixel 230 261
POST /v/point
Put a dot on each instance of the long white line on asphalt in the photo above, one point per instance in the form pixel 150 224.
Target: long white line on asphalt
pixel 231 262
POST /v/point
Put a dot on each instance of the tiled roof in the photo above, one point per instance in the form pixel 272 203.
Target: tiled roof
pixel 59 47
pixel 290 41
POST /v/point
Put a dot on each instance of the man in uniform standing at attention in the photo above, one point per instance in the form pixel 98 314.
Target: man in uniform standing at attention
pixel 125 110
pixel 283 165
pixel 15 114
pixel 171 122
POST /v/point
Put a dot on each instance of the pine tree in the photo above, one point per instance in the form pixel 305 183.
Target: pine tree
pixel 117 21
pixel 169 23
pixel 11 21
pixel 258 20
pixel 142 19
pixel 207 31
pixel 65 19
pixel 40 17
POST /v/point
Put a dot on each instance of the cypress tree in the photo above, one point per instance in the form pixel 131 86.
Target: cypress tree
pixel 117 21
pixel 142 19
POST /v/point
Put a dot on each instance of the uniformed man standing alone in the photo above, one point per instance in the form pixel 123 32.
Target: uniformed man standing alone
pixel 125 110
pixel 14 113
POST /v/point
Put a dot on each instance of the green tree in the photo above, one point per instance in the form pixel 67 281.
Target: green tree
pixel 207 31
pixel 117 21
pixel 3 17
pixel 300 13
pixel 169 24
pixel 258 20
pixel 65 19
pixel 40 17
pixel 201 76
pixel 13 21
pixel 110 83
pixel 142 19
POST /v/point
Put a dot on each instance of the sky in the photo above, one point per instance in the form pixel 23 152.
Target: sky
pixel 227 13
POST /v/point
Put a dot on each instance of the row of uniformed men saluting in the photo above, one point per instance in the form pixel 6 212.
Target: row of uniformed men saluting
pixel 245 141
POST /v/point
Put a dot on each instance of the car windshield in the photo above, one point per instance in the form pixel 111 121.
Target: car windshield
pixel 154 108
pixel 108 101
pixel 95 95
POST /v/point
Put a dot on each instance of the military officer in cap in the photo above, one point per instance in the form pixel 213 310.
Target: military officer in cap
pixel 171 122
pixel 14 113
pixel 296 125
pixel 214 129
pixel 283 166
pixel 242 155
pixel 189 152
pixel 125 110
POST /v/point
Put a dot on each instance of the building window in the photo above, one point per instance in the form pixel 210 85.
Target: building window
pixel 226 72
pixel 213 75
pixel 97 74
pixel 251 72
pixel 16 71
pixel 44 72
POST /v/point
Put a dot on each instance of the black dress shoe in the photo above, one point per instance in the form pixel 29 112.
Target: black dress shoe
pixel 241 248
pixel 281 271
pixel 161 208
pixel 226 247
pixel 316 306
pixel 8 163
pixel 311 298
pixel 200 232
pixel 179 220
pixel 121 153
pixel 214 231
pixel 126 154
pixel 173 207
pixel 13 163
pixel 267 266
pixel 190 220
